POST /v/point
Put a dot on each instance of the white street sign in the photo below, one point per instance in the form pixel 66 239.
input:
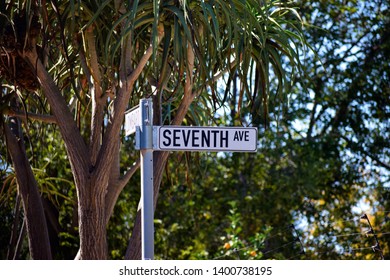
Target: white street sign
pixel 175 138
pixel 202 138
pixel 132 119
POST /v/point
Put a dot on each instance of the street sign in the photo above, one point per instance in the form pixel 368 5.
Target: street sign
pixel 203 138
pixel 132 120
pixel 175 138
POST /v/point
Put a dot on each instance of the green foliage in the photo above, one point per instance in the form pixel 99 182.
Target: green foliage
pixel 321 163
pixel 236 248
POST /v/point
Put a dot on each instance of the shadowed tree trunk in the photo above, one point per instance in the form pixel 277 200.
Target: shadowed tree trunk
pixel 37 232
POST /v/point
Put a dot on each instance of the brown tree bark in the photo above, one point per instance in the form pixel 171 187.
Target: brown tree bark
pixel 92 225
pixel 38 236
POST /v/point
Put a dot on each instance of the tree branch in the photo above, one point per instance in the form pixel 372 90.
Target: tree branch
pixel 75 145
pixel 364 152
pixel 12 246
pixel 190 70
pixel 220 74
pixel 96 94
pixel 106 154
pixel 28 116
pixel 114 190
pixel 125 66
pixel 189 95
pixel 129 173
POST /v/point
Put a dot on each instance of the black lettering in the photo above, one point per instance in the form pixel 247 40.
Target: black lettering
pixel 206 138
pixel 194 138
pixel 140 271
pixel 215 132
pixel 186 138
pixel 166 135
pixel 241 136
pixel 176 137
pixel 224 139
pixel 128 271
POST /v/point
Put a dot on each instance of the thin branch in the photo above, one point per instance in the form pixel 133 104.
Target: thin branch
pixel 94 70
pixel 30 116
pixel 364 152
pixel 129 173
pixel 14 231
pixel 114 190
pixel 96 94
pixel 126 48
pixel 64 45
pixel 84 66
pixel 348 51
pixel 21 237
pixel 220 74
pixel 148 53
pixel 190 70
pixel 189 95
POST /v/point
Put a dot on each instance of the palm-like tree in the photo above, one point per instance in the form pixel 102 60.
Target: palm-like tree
pixel 100 57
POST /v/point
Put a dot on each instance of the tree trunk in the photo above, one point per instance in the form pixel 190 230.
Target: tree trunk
pixel 38 236
pixel 92 222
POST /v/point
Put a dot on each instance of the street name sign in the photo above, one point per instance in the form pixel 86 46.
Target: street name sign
pixel 132 120
pixel 203 138
pixel 175 138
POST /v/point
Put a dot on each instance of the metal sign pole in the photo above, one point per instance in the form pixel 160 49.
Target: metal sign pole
pixel 146 147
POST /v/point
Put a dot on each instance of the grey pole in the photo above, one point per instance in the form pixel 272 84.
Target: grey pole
pixel 146 147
